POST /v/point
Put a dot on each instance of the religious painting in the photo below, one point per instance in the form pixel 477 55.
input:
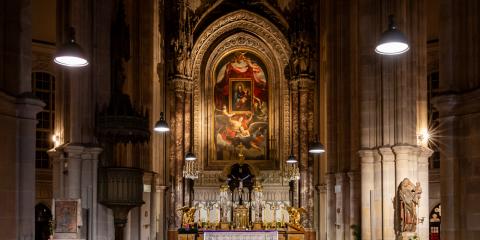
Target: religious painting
pixel 66 216
pixel 240 95
pixel 241 107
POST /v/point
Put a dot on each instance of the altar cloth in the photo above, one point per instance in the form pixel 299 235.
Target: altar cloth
pixel 240 235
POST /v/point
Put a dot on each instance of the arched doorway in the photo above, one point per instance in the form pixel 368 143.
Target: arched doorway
pixel 435 222
pixel 43 221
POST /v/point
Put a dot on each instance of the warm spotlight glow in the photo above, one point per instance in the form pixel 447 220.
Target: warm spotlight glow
pixel 424 137
pixel 55 140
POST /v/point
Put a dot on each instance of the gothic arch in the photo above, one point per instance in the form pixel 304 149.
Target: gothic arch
pixel 234 31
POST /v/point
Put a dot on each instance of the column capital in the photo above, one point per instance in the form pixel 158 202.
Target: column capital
pixel 304 82
pixel 353 175
pixel 54 153
pixel 321 188
pixel 93 153
pixel 180 83
pixel 403 149
pixel 366 155
pixel 340 177
pixel 329 179
pixel 73 150
pixel 28 106
pixel 387 154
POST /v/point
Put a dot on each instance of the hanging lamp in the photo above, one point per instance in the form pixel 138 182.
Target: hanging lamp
pixel 392 41
pixel 316 147
pixel 161 125
pixel 71 54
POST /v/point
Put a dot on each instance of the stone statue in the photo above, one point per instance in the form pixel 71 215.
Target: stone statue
pixel 188 214
pixel 294 217
pixel 409 197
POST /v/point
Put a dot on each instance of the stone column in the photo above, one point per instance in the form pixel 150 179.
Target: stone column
pixel 330 192
pixel 180 114
pixel 305 119
pixel 367 186
pixel 153 206
pixel 340 185
pixel 403 155
pixel 57 172
pixel 162 210
pixel 388 193
pixel 377 196
pixel 27 109
pixel 423 207
pixel 73 170
pixel 354 201
pixel 90 172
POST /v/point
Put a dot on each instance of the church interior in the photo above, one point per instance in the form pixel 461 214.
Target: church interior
pixel 240 119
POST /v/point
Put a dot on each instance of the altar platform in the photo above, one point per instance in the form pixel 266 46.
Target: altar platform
pixel 280 234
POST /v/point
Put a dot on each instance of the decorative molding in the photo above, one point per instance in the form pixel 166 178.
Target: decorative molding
pixel 258 35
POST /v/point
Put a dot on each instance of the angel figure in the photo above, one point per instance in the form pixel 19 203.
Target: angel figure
pixel 294 216
pixel 188 214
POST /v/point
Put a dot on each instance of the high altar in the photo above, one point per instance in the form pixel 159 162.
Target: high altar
pixel 239 210
pixel 242 105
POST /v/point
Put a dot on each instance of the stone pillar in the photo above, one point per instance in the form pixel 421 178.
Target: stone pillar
pixel 423 207
pixel 377 196
pixel 403 155
pixel 73 170
pixel 90 186
pixel 305 119
pixel 153 206
pixel 340 192
pixel 177 146
pixel 354 201
pixel 56 158
pixel 27 109
pixel 367 186
pixel 388 193
pixel 180 137
pixel 162 210
pixel 330 192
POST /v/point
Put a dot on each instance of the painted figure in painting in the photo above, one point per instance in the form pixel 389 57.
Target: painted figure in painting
pixel 409 196
pixel 66 216
pixel 241 107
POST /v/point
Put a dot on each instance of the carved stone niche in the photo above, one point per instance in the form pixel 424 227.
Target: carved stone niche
pixel 256 35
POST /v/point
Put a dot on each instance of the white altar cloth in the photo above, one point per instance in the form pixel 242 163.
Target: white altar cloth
pixel 240 235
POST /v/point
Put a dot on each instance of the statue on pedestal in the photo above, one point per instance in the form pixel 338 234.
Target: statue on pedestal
pixel 408 197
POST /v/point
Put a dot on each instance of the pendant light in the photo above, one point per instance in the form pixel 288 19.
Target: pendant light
pixel 71 54
pixel 392 41
pixel 190 156
pixel 161 125
pixel 291 159
pixel 316 147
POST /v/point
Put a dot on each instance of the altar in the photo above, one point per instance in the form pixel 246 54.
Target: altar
pixel 240 235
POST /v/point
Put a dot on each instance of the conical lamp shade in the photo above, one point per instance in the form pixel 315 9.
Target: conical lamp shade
pixel 392 41
pixel 161 125
pixel 71 54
